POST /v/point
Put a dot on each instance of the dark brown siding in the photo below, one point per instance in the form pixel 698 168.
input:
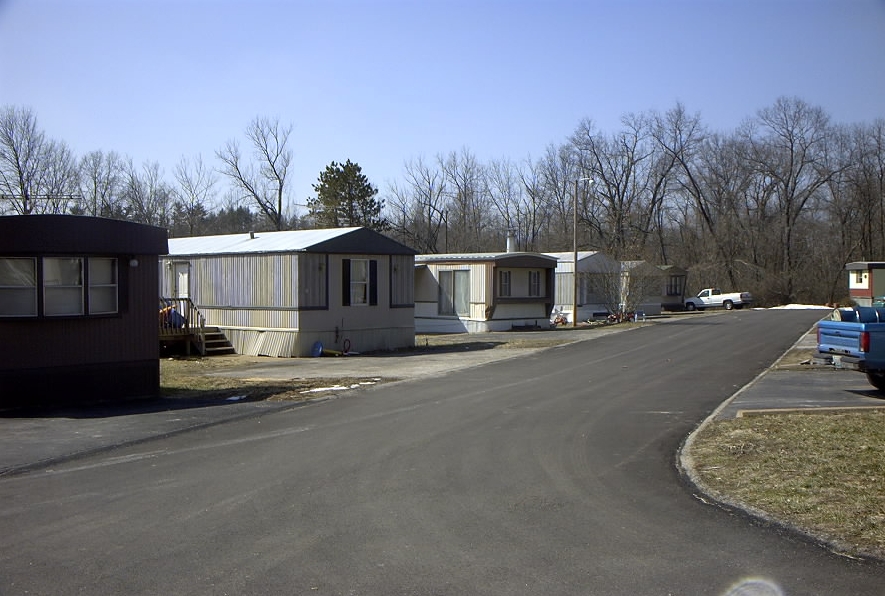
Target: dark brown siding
pixel 44 359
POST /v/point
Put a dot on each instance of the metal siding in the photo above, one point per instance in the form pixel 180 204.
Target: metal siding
pixel 260 318
pixel 252 317
pixel 245 280
pixel 402 280
pixel 310 280
pixel 482 284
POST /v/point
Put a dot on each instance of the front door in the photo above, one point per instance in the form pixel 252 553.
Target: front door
pixel 181 280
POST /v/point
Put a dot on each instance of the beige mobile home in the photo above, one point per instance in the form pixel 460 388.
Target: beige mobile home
pixel 473 292
pixel 286 293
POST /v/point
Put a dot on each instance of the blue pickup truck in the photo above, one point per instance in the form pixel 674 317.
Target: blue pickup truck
pixel 854 338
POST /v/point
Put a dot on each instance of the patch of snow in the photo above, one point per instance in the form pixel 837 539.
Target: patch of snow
pixel 802 307
pixel 332 388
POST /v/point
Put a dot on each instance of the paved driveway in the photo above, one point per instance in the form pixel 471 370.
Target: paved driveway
pixel 550 473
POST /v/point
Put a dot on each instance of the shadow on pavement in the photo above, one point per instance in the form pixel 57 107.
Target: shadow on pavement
pixel 128 408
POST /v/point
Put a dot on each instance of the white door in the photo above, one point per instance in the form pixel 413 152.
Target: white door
pixel 180 277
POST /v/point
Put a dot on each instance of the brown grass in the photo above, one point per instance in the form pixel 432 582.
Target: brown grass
pixel 823 474
pixel 191 377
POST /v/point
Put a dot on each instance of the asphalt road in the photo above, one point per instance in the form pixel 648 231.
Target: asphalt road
pixel 552 473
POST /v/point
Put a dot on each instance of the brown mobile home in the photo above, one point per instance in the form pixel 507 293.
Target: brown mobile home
pixel 78 309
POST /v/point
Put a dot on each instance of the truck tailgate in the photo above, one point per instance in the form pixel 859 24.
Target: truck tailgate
pixel 839 338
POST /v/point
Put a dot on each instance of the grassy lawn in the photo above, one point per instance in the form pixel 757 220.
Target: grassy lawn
pixel 821 473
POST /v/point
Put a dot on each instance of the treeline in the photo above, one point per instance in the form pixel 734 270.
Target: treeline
pixel 776 207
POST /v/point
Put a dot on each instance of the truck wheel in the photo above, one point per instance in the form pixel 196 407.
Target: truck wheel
pixel 877 379
pixel 728 304
pixel 689 306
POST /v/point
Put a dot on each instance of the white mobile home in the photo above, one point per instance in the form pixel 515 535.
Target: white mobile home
pixel 595 272
pixel 281 293
pixel 479 292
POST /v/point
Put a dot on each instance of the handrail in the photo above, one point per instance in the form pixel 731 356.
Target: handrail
pixel 180 317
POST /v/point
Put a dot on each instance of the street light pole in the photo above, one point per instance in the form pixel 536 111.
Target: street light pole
pixel 575 253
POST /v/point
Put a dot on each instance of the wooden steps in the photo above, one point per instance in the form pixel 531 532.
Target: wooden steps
pixel 216 343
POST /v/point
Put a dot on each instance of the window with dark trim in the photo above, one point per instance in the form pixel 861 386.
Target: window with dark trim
pixel 675 285
pixel 103 293
pixel 359 279
pixel 63 287
pixel 504 285
pixel 534 283
pixel 58 286
pixel 18 287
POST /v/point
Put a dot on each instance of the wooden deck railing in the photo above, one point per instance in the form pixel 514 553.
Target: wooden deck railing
pixel 180 320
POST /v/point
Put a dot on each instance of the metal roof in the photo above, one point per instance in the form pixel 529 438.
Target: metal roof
pixel 863 265
pixel 476 256
pixel 332 240
pixel 570 256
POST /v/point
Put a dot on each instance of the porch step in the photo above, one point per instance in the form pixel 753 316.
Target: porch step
pixel 217 343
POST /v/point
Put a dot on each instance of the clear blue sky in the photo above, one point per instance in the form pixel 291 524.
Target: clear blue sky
pixel 381 82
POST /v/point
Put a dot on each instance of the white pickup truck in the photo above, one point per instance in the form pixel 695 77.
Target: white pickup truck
pixel 714 298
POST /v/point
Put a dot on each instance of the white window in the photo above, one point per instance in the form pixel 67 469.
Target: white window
pixel 359 281
pixel 454 293
pixel 18 287
pixel 102 286
pixel 71 286
pixel 62 286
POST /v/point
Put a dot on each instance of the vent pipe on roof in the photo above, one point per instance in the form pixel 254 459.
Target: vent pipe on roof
pixel 251 235
pixel 511 242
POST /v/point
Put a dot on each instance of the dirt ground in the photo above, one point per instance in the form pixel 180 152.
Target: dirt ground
pixel 204 378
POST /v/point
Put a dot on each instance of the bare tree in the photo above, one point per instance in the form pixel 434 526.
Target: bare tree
pixel 851 223
pixel 148 197
pixel 534 212
pixel 787 145
pixel 468 211
pixel 262 182
pixel 59 184
pixel 194 195
pixel 37 175
pixel 558 169
pixel 504 191
pixel 417 211
pixel 685 140
pixel 101 184
pixel 631 174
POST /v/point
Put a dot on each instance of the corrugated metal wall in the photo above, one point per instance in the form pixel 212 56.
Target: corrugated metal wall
pixel 279 275
pixel 263 317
